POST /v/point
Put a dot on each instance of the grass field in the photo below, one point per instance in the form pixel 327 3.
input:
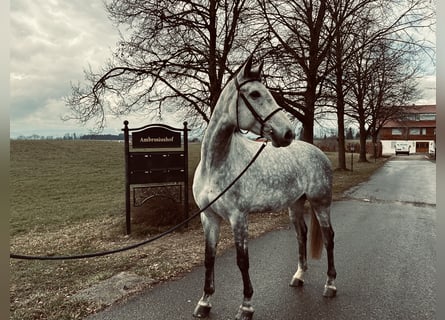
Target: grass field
pixel 68 197
pixel 58 183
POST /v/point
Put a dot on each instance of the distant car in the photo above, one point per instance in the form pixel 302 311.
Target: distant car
pixel 402 148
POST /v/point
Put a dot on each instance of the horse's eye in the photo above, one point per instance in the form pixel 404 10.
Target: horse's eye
pixel 255 94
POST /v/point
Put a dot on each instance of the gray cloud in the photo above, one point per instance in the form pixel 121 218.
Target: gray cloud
pixel 52 42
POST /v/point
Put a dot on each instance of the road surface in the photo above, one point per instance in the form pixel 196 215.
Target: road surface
pixel 385 261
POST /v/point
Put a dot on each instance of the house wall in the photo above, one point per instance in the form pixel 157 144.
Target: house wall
pixel 417 146
pixel 417 127
pixel 387 134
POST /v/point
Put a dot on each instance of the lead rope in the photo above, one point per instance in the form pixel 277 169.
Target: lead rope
pixel 133 246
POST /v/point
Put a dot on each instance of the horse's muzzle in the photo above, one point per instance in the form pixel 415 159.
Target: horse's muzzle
pixel 283 140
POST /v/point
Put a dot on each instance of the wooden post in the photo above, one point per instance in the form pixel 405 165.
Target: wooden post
pixel 186 173
pixel 352 157
pixel 127 178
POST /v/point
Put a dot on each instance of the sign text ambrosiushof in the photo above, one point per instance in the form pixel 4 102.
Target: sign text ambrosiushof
pixel 156 137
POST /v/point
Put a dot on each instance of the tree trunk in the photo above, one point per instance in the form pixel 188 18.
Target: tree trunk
pixel 340 104
pixel 363 134
pixel 213 74
pixel 308 131
pixel 341 138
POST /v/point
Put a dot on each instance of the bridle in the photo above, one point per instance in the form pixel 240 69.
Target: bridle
pixel 250 107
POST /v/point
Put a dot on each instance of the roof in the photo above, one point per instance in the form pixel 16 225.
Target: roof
pixel 410 124
pixel 414 109
pixel 420 109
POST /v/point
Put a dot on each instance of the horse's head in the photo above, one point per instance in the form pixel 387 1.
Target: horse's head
pixel 256 109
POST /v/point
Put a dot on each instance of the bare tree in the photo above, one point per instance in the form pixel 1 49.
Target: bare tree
pixel 383 83
pixel 311 44
pixel 346 16
pixel 394 86
pixel 175 56
pixel 300 40
pixel 384 67
pixel 392 21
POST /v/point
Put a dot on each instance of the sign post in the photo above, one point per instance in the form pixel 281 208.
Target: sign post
pixel 146 165
pixel 352 149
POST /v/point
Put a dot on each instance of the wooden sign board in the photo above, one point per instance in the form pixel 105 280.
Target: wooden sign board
pixel 152 167
pixel 156 137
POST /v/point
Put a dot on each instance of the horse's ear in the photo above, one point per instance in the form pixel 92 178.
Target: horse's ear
pixel 260 68
pixel 252 73
pixel 248 67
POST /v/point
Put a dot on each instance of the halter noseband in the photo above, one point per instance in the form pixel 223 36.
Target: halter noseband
pixel 250 107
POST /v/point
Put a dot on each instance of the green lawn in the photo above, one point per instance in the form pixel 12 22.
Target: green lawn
pixel 56 183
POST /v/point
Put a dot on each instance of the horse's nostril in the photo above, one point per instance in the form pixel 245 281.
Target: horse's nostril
pixel 290 135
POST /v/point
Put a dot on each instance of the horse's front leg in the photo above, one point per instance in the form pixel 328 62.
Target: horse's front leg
pixel 240 231
pixel 211 225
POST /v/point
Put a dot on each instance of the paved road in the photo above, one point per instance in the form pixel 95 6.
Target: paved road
pixel 385 260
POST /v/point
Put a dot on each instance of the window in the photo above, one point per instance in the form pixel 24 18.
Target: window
pixel 427 116
pixel 396 132
pixel 414 131
pixel 423 131
pixel 409 117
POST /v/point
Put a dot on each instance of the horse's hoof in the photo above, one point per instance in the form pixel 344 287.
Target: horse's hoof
pixel 244 313
pixel 329 291
pixel 295 282
pixel 202 311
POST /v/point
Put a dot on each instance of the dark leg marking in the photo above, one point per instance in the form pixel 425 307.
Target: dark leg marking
pixel 328 238
pixel 211 233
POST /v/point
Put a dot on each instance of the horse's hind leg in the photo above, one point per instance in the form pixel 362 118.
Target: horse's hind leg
pixel 322 213
pixel 296 215
pixel 211 225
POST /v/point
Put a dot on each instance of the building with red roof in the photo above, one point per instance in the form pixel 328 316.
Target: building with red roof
pixel 415 127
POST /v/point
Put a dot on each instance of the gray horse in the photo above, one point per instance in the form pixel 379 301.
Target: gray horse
pixel 285 175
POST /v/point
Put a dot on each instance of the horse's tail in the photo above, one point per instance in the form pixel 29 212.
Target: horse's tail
pixel 316 237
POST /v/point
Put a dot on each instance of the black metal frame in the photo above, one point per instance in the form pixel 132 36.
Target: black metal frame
pixel 150 168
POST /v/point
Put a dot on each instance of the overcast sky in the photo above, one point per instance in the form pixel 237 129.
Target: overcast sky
pixel 52 42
